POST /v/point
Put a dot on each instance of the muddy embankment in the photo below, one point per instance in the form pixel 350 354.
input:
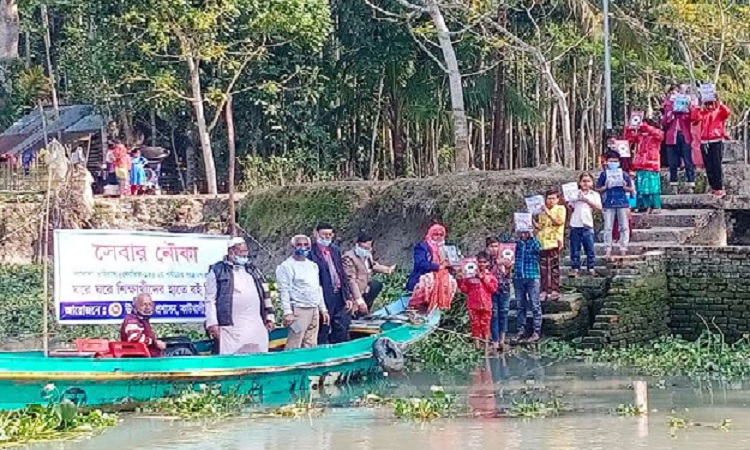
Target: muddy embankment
pixel 472 206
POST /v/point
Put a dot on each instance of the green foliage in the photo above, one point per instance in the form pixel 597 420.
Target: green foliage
pixel 450 349
pixel 59 419
pixel 268 214
pixel 198 402
pixel 708 357
pixel 438 405
pixel 534 408
pixel 259 172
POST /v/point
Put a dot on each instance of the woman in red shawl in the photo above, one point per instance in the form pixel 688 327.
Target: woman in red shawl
pixel 430 281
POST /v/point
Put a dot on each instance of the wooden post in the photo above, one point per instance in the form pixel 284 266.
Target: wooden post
pixel 230 146
pixel 44 238
pixel 641 396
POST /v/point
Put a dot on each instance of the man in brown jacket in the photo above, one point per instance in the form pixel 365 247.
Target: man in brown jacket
pixel 359 267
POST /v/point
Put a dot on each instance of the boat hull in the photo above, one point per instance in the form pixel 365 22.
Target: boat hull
pixel 28 377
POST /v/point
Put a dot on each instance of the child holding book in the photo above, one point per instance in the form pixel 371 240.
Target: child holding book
pixel 582 223
pixel 647 140
pixel 479 290
pixel 713 133
pixel 502 268
pixel 550 226
pixel 614 183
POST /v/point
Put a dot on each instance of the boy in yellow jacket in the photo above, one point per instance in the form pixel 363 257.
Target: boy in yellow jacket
pixel 550 225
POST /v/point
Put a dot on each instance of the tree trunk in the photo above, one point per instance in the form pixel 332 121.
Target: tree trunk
pixel 9 29
pixel 397 138
pixel 200 118
pixel 460 127
pixel 230 146
pixel 153 127
pixel 50 70
pixel 498 100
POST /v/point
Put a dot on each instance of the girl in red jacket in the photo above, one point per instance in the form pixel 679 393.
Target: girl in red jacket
pixel 713 133
pixel 678 126
pixel 647 164
pixel 479 290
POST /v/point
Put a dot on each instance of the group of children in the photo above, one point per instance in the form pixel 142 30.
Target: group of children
pixel 535 271
pixel 126 169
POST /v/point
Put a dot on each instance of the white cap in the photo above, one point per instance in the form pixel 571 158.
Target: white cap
pixel 235 241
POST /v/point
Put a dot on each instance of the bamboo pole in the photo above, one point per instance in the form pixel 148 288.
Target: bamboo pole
pixel 230 145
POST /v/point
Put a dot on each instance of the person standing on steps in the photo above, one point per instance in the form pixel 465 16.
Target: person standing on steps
pixel 359 267
pixel 647 140
pixel 239 312
pixel 677 121
pixel 336 291
pixel 526 281
pixel 615 183
pixel 713 134
pixel 301 296
pixel 501 268
pixel 582 223
pixel 550 227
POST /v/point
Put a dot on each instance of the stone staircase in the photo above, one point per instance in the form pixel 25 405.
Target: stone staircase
pixel 601 311
pixel 566 318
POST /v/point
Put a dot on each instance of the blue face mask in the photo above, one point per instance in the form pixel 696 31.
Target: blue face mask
pixel 324 242
pixel 241 260
pixel 613 165
pixel 301 251
pixel 361 252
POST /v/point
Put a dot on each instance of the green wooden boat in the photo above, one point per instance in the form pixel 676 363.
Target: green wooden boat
pixel 26 376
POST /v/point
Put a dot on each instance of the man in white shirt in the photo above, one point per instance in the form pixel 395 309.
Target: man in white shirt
pixel 298 283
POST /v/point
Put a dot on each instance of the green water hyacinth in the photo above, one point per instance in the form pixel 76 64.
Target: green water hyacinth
pixel 707 358
pixel 59 419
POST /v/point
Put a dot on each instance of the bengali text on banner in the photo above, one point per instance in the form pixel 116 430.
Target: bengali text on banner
pixel 99 272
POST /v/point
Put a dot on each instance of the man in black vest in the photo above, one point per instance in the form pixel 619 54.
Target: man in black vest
pixel 335 288
pixel 239 312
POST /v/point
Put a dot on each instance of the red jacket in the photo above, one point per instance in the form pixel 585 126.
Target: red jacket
pixel 138 329
pixel 673 122
pixel 712 122
pixel 648 147
pixel 479 291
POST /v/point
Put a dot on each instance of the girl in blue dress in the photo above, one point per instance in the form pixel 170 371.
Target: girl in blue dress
pixel 137 173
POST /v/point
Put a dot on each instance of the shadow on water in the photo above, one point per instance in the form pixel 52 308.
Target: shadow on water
pixel 590 394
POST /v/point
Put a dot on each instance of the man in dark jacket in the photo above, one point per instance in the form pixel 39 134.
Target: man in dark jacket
pixel 239 312
pixel 335 288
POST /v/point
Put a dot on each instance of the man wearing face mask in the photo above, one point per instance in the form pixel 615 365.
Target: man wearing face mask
pixel 359 267
pixel 336 293
pixel 298 283
pixel 239 312
pixel 136 327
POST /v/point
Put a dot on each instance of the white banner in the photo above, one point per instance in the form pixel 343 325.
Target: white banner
pixel 99 272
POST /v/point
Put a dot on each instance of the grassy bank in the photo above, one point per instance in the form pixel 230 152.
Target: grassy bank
pixel 471 205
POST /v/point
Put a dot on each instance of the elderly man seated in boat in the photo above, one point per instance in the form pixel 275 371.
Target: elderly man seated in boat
pixel 239 312
pixel 137 325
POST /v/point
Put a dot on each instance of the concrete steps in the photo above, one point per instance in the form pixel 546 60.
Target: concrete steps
pixel 672 235
pixel 687 218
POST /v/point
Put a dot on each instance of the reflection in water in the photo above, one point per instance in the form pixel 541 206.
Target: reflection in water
pixel 589 390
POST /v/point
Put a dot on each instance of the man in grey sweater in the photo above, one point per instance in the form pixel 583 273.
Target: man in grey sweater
pixel 298 283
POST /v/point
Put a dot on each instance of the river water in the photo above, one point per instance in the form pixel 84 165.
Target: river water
pixel 590 393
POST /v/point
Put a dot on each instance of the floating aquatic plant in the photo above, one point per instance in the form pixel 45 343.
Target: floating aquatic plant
pixel 59 419
pixel 201 401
